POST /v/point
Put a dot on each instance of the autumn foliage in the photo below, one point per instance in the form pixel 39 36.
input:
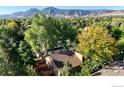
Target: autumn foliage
pixel 95 44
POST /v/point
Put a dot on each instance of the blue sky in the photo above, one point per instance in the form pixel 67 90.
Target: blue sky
pixel 11 9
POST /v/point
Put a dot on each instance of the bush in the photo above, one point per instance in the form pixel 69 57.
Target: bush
pixel 6 69
pixel 30 70
pixel 120 54
pixel 116 33
pixel 66 70
pixel 89 67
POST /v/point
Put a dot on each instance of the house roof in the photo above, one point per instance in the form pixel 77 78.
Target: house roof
pixel 61 58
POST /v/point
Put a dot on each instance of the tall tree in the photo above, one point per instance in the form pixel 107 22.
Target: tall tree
pixel 43 34
pixel 96 44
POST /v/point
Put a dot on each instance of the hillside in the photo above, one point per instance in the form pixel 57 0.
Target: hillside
pixel 56 12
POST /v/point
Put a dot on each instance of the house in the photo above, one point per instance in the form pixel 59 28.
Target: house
pixel 62 58
pixel 56 61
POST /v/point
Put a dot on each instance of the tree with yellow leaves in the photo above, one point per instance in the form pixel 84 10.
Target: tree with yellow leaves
pixel 97 48
pixel 12 25
pixel 96 44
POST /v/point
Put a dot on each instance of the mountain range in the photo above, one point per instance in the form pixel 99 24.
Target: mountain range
pixel 52 11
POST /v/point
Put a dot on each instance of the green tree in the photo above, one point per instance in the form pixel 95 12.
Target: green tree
pixel 10 58
pixel 68 32
pixel 25 53
pixel 43 34
pixel 120 55
pixel 116 33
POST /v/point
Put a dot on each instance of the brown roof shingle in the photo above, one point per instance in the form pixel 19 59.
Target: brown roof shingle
pixel 62 58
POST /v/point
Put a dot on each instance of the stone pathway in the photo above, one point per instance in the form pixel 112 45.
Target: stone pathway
pixel 114 69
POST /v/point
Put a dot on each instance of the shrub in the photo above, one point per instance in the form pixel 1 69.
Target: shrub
pixel 30 70
pixel 66 70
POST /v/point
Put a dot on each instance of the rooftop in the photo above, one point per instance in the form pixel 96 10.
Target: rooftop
pixel 62 58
